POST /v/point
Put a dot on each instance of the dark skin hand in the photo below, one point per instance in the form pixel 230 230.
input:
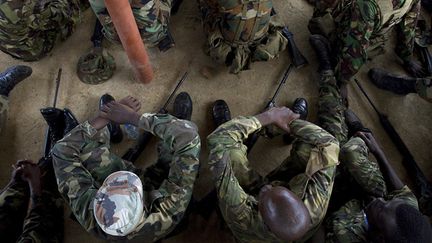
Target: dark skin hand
pixel 119 113
pixel 129 101
pixel 279 116
pixel 29 172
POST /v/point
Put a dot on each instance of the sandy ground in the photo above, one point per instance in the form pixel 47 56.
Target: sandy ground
pixel 246 94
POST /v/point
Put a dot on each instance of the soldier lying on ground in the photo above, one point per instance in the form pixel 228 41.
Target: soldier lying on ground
pixel 357 30
pixel 354 222
pixel 8 79
pixel 239 33
pixel 294 204
pixel 30 29
pixel 105 193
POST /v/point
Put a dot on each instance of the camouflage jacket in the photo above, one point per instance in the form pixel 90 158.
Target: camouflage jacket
pixel 239 209
pixel 84 152
pixel 348 224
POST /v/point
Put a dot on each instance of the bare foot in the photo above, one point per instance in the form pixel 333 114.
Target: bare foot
pixel 119 113
pixel 30 172
pixel 131 102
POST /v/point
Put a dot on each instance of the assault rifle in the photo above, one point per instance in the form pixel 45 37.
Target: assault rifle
pixel 47 143
pixel 253 138
pixel 144 138
pixel 423 186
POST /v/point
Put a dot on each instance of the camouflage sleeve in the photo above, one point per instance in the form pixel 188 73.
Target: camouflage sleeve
pixel 316 184
pixel 225 141
pixel 405 46
pixel 182 138
pixel 75 183
pixel 354 38
pixel 405 194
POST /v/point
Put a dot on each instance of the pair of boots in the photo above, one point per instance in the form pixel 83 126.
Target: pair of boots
pixel 221 114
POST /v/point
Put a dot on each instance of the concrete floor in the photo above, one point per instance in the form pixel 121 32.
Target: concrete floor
pixel 246 94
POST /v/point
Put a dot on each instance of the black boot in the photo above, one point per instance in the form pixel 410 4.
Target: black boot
pixel 175 6
pixel 56 123
pixel 354 124
pixel 300 107
pixel 12 76
pixel 116 134
pixel 166 43
pixel 220 113
pixel 70 120
pixel 396 84
pixel 183 106
pixel 322 49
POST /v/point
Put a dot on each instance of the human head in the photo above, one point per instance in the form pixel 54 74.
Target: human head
pixel 396 221
pixel 118 206
pixel 283 212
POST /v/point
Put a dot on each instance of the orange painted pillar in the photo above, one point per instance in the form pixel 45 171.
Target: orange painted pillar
pixel 127 29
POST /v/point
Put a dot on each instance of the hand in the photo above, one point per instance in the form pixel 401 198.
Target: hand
pixel 280 116
pixel 370 141
pixel 119 113
pixel 415 68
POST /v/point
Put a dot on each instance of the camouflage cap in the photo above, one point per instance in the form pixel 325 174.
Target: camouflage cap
pixel 118 206
pixel 96 66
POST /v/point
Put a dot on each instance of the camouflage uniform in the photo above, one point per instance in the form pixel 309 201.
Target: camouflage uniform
pixel 44 221
pixel 315 150
pixel 30 29
pixel 4 107
pixel 349 223
pixel 358 30
pixel 152 18
pixel 82 161
pixel 240 32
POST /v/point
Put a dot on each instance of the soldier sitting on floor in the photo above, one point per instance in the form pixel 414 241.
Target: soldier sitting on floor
pixel 104 191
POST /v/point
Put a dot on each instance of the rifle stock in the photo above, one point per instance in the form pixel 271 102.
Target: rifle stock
pixel 297 57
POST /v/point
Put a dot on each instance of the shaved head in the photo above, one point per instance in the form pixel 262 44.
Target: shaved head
pixel 283 212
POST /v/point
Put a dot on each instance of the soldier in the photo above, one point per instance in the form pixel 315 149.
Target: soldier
pixel 357 31
pixel 30 29
pixel 239 33
pixel 8 79
pixel 400 84
pixel 349 223
pixel 94 181
pixel 292 207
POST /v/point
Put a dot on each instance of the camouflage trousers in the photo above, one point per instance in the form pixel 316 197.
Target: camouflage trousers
pixel 350 29
pixel 4 107
pixel 42 222
pixel 239 56
pixel 99 163
pixel 152 18
pixel 30 29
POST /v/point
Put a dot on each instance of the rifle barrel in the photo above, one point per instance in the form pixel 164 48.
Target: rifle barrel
pixel 367 97
pixel 185 75
pixel 57 87
pixel 283 81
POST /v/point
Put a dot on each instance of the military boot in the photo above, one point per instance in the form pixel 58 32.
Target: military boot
pixel 322 49
pixel 55 119
pixel 300 107
pixel 70 120
pixel 175 6
pixel 220 113
pixel 166 43
pixel 396 84
pixel 116 134
pixel 12 76
pixel 183 106
pixel 354 124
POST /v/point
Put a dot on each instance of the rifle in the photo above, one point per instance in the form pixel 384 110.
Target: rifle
pixel 296 56
pixel 253 138
pixel 47 143
pixel 144 138
pixel 423 186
